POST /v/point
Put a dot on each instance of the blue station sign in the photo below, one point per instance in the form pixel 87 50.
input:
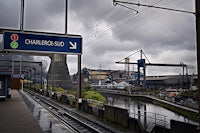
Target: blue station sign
pixel 42 43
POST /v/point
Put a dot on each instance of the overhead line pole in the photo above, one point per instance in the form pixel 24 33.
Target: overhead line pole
pixel 79 61
pixel 66 12
pixel 22 16
pixel 197 5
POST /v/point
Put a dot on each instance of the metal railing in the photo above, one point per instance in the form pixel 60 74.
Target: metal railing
pixel 150 117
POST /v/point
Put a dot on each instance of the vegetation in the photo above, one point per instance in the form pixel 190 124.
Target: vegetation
pixel 88 93
pixel 71 92
pixel 150 91
pixel 58 89
pixel 189 94
pixel 94 95
pixel 91 93
pixel 36 86
pixel 88 88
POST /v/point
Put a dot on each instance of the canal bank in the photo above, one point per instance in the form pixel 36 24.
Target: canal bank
pixel 189 113
pixel 138 121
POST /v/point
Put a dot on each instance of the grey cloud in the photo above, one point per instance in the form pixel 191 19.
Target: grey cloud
pixel 9 14
pixel 41 15
pixel 46 15
pixel 91 11
pixel 113 32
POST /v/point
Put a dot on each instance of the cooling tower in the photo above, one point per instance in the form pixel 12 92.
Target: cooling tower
pixel 58 72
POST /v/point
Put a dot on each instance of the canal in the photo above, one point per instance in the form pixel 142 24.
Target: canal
pixel 146 112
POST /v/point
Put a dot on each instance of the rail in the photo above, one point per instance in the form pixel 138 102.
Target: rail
pixel 68 117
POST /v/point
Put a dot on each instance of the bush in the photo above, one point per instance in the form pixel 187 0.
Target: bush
pixel 88 88
pixel 94 95
pixel 58 89
pixel 71 92
pixel 37 86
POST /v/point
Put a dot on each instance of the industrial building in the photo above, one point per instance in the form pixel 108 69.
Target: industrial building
pixel 96 76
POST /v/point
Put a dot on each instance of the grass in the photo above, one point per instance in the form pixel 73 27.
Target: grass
pixel 88 93
pixel 94 95
pixel 58 89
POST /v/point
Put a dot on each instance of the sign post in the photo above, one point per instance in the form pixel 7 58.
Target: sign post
pixel 79 83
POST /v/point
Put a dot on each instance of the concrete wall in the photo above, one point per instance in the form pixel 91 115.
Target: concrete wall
pixel 160 129
pixel 136 125
pixel 67 100
pixel 92 109
pixel 116 115
pixel 181 127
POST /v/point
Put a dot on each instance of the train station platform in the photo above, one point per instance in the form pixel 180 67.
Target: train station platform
pixel 15 116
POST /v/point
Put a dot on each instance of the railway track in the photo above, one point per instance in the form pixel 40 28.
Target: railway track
pixel 70 118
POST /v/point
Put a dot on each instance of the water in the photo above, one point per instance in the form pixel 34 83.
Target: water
pixel 153 113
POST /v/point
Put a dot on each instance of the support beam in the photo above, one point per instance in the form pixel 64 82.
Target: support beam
pixel 156 64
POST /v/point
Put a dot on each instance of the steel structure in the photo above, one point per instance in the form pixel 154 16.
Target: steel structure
pixel 143 65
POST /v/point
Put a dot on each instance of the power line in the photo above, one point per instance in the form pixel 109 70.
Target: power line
pixel 152 6
pixel 129 55
pixel 122 21
pixel 145 55
pixel 127 7
pixel 99 38
pixel 101 20
pixel 114 27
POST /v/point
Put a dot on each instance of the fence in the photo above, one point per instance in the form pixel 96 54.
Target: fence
pixel 149 117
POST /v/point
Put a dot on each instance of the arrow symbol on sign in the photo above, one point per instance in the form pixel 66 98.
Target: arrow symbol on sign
pixel 72 45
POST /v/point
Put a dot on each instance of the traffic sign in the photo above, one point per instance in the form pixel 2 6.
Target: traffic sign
pixel 43 43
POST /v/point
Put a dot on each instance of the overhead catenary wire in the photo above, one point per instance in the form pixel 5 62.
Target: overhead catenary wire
pixel 152 6
pixel 122 18
pixel 93 30
pixel 122 21
pixel 140 24
pixel 118 28
pixel 145 55
pixel 129 55
pixel 100 40
pixel 141 51
pixel 102 19
pixel 127 7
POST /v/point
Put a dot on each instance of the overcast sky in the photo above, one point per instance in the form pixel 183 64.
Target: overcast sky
pixel 111 33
